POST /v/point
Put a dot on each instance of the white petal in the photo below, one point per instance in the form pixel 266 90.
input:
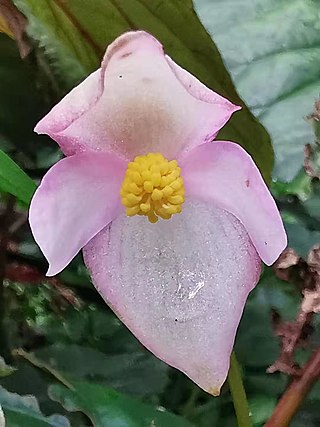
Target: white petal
pixel 179 285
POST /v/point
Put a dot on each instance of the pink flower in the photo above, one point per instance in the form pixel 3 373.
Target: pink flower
pixel 179 285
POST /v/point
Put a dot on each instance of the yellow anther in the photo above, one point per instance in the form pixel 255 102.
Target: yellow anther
pixel 145 207
pixel 134 188
pixel 146 174
pixel 136 177
pixel 177 184
pixel 153 187
pixel 164 168
pixel 173 165
pixel 168 191
pixel 156 179
pixel 148 186
pixel 132 198
pixel 176 200
pixel 132 211
pixel 152 217
pixel 156 194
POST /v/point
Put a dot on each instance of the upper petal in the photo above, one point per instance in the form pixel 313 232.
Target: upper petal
pixel 225 174
pixel 140 102
pixel 203 93
pixel 180 285
pixel 70 110
pixel 75 200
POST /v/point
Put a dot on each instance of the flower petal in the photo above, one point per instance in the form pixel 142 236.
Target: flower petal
pixel 72 107
pixel 225 174
pixel 203 93
pixel 180 285
pixel 143 103
pixel 75 200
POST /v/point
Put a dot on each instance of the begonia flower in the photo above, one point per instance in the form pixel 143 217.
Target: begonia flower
pixel 173 225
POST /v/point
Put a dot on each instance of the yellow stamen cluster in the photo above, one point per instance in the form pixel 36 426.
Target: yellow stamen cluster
pixel 152 186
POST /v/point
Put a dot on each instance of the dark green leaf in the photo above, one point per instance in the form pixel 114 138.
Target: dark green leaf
pixel 19 382
pixel 23 411
pixel 267 384
pixel 307 416
pixel 5 369
pixel 272 49
pixel 136 372
pixel 256 328
pixel 21 105
pixel 261 408
pixel 312 205
pixel 14 180
pixel 301 238
pixel 76 33
pixel 107 408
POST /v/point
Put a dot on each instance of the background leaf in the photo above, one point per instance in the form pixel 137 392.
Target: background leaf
pixel 62 323
pixel 75 35
pixel 272 48
pixel 134 372
pixel 261 407
pixel 5 369
pixel 21 104
pixel 14 180
pixel 107 408
pixel 23 411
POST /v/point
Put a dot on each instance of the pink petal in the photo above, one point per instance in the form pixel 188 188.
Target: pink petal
pixel 224 174
pixel 180 285
pixel 203 93
pixel 142 103
pixel 72 107
pixel 75 200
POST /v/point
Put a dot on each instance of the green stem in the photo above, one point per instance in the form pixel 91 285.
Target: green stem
pixel 238 393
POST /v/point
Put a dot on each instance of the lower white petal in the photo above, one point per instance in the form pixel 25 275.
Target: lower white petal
pixel 179 285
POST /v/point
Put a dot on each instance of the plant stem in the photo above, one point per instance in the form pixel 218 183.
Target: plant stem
pixel 296 393
pixel 238 393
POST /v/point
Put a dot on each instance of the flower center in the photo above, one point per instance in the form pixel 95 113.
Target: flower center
pixel 152 186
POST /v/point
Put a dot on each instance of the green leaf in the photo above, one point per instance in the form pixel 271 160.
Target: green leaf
pixel 255 327
pixel 272 49
pixel 300 238
pixel 14 180
pixel 21 103
pixel 5 369
pixel 107 408
pixel 23 411
pixel 137 372
pixel 261 408
pixel 76 33
pixel 300 186
pixel 267 384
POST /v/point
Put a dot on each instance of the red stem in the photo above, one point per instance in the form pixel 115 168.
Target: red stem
pixel 296 392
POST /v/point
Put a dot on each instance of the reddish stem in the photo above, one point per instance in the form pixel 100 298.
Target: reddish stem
pixel 296 392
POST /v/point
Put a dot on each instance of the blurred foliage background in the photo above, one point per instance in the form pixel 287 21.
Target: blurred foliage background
pixel 66 359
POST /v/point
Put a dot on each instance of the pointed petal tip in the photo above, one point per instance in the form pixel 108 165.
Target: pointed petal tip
pixel 282 244
pixel 38 128
pixel 214 391
pixel 62 221
pixel 236 107
pixel 53 270
pixel 207 324
pixel 242 193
